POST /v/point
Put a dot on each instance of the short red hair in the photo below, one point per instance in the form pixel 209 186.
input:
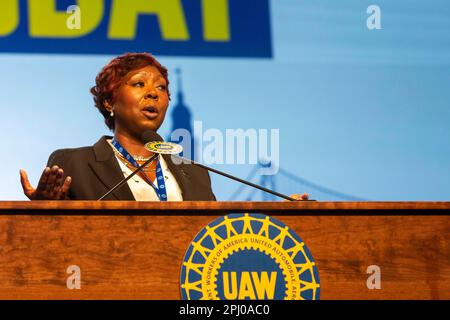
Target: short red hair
pixel 110 77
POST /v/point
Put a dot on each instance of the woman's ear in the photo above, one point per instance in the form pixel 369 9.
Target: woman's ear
pixel 109 108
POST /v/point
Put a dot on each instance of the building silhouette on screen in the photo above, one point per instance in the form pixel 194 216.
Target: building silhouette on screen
pixel 182 119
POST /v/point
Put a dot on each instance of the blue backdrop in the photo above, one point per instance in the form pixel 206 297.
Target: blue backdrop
pixel 362 113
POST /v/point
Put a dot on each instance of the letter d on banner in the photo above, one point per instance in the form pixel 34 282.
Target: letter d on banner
pixel 9 16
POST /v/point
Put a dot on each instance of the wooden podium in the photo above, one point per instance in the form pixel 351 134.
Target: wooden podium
pixel 134 250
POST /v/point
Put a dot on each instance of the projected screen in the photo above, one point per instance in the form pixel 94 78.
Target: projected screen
pixel 344 100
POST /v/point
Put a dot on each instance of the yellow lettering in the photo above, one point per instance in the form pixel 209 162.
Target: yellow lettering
pixel 216 24
pixel 45 21
pixel 246 287
pixel 230 295
pixel 265 286
pixel 125 13
pixel 9 16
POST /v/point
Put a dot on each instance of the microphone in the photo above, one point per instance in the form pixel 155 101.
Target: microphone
pixel 151 136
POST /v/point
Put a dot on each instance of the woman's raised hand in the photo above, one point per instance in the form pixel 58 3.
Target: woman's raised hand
pixel 51 186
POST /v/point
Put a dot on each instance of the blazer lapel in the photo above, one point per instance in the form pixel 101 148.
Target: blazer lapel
pixel 108 170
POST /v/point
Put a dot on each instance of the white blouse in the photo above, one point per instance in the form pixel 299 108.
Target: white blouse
pixel 142 191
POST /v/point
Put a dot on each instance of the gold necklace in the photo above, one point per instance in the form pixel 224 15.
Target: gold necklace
pixel 140 158
pixel 135 156
pixel 127 163
pixel 131 167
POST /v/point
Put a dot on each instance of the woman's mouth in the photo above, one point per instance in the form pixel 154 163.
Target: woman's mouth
pixel 150 112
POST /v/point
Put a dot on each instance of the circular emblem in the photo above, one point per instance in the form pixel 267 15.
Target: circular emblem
pixel 248 257
pixel 162 147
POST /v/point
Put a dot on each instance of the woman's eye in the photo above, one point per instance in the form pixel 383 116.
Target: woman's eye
pixel 139 84
pixel 162 87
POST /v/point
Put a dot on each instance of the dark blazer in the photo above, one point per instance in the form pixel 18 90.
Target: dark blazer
pixel 94 171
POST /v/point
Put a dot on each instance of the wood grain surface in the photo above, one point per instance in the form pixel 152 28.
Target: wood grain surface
pixel 298 207
pixel 131 250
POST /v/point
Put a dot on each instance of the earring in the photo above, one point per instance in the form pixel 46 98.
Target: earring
pixel 112 114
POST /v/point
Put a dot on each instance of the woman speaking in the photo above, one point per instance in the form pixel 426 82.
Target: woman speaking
pixel 132 94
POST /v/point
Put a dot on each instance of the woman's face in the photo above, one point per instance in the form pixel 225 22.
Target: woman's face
pixel 141 101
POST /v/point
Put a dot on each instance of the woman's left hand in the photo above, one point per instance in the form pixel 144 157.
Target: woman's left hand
pixel 300 197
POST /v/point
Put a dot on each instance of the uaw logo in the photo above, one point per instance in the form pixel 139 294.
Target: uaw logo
pixel 248 257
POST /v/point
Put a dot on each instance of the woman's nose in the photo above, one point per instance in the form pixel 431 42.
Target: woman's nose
pixel 152 95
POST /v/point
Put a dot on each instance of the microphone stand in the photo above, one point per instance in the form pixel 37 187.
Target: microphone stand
pixel 236 178
pixel 153 157
pixel 229 176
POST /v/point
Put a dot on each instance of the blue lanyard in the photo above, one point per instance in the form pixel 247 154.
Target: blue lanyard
pixel 161 189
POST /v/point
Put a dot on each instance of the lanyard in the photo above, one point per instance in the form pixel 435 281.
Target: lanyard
pixel 161 189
